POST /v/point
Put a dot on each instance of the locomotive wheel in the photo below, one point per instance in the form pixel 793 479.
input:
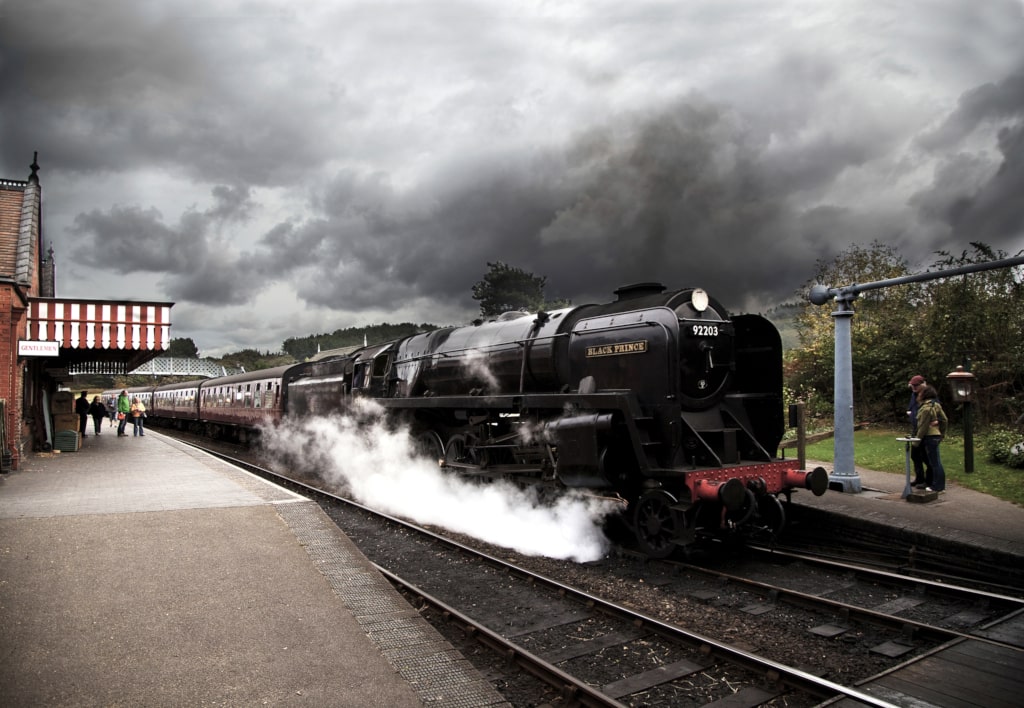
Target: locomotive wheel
pixel 460 453
pixel 428 444
pixel 657 524
pixel 735 519
pixel 772 514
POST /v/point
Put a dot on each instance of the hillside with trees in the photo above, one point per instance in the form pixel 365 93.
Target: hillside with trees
pixel 301 348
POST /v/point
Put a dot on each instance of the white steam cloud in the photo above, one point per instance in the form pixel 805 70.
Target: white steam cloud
pixel 380 468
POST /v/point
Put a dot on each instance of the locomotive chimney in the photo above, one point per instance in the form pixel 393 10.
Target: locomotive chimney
pixel 628 292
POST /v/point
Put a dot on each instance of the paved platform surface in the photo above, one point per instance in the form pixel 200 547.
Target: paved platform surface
pixel 958 516
pixel 138 572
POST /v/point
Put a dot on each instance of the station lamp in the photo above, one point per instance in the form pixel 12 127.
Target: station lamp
pixel 961 387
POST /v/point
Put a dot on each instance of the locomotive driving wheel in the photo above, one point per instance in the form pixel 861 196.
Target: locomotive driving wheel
pixel 461 454
pixel 658 523
pixel 429 445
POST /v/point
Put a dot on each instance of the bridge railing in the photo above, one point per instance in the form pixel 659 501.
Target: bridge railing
pixel 177 366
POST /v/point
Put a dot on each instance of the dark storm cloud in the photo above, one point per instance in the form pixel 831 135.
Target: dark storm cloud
pixel 319 164
pixel 374 245
pixel 686 196
pixel 977 193
pixel 130 86
pixel 995 213
pixel 989 102
pixel 131 239
pixel 185 256
pixel 668 197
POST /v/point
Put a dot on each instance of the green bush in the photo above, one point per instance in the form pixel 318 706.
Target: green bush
pixel 1004 446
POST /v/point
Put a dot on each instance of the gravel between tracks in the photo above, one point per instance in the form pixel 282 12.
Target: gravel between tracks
pixel 781 633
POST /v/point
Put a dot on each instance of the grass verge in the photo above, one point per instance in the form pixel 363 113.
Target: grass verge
pixel 878 449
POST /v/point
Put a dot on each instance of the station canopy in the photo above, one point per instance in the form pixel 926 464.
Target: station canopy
pixel 95 336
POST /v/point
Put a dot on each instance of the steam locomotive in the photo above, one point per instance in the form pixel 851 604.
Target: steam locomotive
pixel 658 398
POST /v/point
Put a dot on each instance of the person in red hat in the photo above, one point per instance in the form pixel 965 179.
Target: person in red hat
pixel 922 470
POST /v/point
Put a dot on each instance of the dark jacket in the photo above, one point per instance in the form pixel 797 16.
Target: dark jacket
pixel 81 405
pixel 98 410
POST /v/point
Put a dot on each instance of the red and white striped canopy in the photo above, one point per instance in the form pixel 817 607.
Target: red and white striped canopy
pixel 101 335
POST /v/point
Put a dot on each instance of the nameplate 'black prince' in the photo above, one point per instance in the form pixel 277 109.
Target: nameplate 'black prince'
pixel 639 347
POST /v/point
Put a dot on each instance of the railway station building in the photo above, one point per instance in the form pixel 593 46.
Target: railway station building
pixel 45 340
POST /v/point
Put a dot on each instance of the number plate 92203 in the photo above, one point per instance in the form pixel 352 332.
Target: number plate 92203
pixel 697 329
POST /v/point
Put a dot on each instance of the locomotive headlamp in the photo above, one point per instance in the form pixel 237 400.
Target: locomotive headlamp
pixel 699 300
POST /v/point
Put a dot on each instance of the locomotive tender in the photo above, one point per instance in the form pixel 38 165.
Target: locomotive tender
pixel 659 398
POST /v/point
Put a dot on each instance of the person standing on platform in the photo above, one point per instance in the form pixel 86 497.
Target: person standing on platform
pixel 112 410
pixel 98 411
pixel 931 428
pixel 124 406
pixel 138 411
pixel 82 409
pixel 922 470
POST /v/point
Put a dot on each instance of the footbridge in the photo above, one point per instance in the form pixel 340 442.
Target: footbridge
pixel 178 366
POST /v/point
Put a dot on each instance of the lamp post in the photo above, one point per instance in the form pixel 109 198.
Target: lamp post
pixel 961 385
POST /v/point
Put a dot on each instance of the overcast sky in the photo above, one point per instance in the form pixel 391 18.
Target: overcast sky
pixel 279 169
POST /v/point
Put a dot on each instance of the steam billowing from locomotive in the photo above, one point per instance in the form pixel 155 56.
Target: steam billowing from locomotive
pixel 364 455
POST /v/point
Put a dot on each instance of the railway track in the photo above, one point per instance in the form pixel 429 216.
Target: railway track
pixel 917 608
pixel 906 553
pixel 596 652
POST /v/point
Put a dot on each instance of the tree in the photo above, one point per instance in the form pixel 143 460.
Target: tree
pixel 977 320
pixel 253 359
pixel 505 288
pixel 924 328
pixel 884 333
pixel 302 348
pixel 183 348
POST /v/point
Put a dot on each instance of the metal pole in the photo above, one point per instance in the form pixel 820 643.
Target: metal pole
pixel 968 439
pixel 907 489
pixel 801 435
pixel 844 474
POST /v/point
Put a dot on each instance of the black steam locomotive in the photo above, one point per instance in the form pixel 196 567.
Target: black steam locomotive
pixel 659 398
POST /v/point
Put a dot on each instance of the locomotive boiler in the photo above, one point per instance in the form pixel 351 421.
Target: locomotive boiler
pixel 661 399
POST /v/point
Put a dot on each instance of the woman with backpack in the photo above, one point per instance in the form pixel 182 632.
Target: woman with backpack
pixel 931 428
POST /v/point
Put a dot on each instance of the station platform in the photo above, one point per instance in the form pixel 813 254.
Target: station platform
pixel 959 519
pixel 137 571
